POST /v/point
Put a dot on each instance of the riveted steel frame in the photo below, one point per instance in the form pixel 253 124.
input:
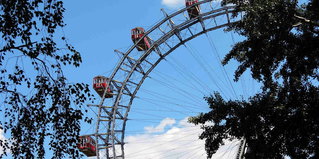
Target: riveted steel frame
pixel 113 139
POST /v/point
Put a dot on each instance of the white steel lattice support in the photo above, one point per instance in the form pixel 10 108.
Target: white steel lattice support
pixel 113 118
pixel 241 149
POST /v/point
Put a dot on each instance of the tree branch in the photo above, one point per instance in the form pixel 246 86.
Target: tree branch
pixel 10 91
pixel 16 47
pixel 305 20
pixel 43 63
pixel 46 69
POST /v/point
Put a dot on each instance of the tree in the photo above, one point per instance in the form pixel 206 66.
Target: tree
pixel 37 100
pixel 281 51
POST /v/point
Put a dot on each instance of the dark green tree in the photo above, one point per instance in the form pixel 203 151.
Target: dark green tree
pixel 40 106
pixel 281 50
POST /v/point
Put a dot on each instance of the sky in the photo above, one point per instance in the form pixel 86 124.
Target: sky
pixel 173 3
pixel 158 126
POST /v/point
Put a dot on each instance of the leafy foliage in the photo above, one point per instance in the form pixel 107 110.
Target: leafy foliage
pixel 36 98
pixel 281 49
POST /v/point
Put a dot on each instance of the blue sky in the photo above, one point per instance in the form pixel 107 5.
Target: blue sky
pixel 96 28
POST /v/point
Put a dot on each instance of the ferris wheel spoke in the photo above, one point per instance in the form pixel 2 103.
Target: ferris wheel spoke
pixel 149 49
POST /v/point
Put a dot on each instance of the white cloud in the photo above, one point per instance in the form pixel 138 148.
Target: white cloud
pixel 173 3
pixel 179 141
pixel 160 128
pixel 2 138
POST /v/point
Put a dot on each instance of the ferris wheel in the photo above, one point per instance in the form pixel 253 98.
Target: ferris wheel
pixel 150 47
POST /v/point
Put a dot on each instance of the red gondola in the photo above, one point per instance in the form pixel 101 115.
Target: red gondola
pixel 137 34
pixel 100 84
pixel 87 146
pixel 192 11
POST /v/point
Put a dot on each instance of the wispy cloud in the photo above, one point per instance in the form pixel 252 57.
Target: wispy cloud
pixel 4 140
pixel 160 128
pixel 173 3
pixel 180 140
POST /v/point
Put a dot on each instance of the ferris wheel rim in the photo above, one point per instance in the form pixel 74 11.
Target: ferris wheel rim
pixel 111 124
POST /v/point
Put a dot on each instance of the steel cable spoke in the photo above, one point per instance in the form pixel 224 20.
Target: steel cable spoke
pixel 131 81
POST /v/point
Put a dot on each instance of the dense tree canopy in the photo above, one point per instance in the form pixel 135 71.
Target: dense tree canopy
pixel 38 103
pixel 281 50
